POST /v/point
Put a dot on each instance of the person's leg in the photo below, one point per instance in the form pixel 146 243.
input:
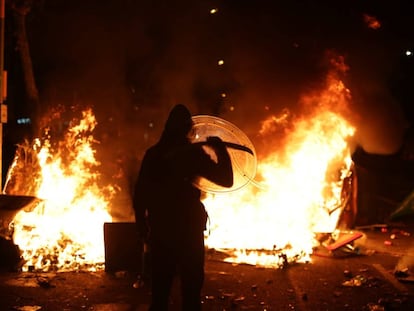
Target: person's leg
pixel 192 274
pixel 162 275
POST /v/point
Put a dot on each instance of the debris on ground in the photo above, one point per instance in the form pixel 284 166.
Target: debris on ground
pixel 403 275
pixel 357 280
pixel 339 244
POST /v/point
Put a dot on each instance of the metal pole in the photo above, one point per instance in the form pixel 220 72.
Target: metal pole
pixel 2 15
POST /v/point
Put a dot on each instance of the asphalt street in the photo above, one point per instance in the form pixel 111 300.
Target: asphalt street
pixel 373 272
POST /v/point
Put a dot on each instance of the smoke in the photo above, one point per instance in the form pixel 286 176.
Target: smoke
pixel 380 122
pixel 134 60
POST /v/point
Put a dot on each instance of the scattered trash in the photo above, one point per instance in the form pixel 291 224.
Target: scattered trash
pixel 403 275
pixel 404 233
pixel 223 273
pixel 227 295
pixel 239 299
pixel 401 272
pixel 343 239
pixel 375 307
pixel 339 244
pixel 358 280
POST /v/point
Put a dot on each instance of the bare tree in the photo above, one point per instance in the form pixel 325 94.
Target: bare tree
pixel 20 9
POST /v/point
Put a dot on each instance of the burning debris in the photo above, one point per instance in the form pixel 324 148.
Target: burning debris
pixel 339 243
pixel 64 230
pixel 10 205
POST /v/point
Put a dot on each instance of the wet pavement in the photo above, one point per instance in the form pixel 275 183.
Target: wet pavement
pixel 372 273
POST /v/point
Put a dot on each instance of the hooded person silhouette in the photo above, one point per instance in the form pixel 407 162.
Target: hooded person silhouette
pixel 168 208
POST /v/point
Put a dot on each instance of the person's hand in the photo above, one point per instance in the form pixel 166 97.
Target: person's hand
pixel 214 141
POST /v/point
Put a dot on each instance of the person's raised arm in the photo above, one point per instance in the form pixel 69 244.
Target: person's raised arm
pixel 222 173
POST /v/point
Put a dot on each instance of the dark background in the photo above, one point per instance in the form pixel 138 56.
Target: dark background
pixel 133 60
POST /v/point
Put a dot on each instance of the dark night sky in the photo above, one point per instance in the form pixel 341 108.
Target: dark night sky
pixel 133 60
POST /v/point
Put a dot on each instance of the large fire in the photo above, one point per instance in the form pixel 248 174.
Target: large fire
pixel 297 192
pixel 274 221
pixel 65 230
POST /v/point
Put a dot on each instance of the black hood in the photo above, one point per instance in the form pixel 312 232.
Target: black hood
pixel 178 125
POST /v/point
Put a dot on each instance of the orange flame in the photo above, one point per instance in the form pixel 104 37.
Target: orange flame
pixel 299 192
pixel 65 231
pixel 371 21
pixel 270 221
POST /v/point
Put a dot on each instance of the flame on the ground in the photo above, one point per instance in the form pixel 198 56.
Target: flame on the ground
pixel 65 230
pixel 273 222
pixel 270 222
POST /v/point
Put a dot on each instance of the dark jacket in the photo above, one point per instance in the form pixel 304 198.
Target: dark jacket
pixel 165 198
